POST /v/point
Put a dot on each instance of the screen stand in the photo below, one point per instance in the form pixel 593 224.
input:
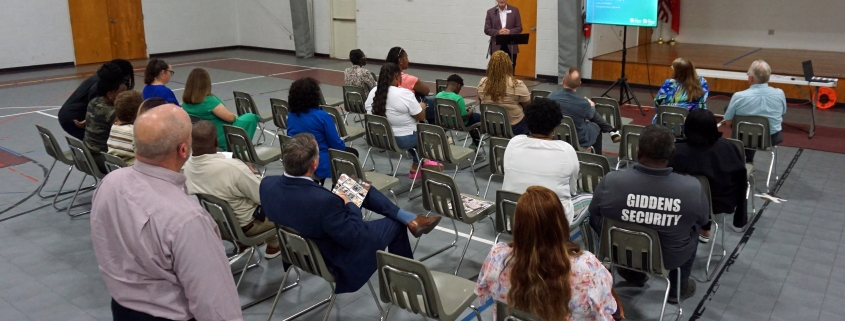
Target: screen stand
pixel 626 95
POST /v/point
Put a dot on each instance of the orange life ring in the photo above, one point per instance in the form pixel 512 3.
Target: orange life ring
pixel 826 98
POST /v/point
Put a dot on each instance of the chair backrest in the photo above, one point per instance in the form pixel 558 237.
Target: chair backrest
pixel 440 85
pixel 739 145
pixel 540 93
pixel 344 163
pixel 239 144
pixel 244 103
pixel 338 121
pixel 705 186
pixel 593 168
pixel 606 101
pixel 354 98
pixel 448 114
pixel 631 246
pixel 380 133
pixel 441 195
pixel 51 146
pixel 506 313
pixel 194 119
pixel 282 140
pixel 432 144
pixel 505 209
pixel 497 155
pixel 112 162
pixel 672 117
pixel 302 253
pixel 223 215
pixel 630 142
pixel 280 109
pixel 566 132
pixel 610 114
pixel 407 284
pixel 752 131
pixel 495 121
pixel 83 158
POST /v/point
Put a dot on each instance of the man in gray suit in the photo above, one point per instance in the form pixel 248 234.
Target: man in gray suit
pixel 503 20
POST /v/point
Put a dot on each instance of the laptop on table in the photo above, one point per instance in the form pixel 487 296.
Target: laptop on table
pixel 810 76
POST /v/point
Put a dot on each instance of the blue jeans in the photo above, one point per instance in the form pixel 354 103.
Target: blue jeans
pixel 409 142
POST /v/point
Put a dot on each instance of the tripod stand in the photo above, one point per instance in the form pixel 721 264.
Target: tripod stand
pixel 625 92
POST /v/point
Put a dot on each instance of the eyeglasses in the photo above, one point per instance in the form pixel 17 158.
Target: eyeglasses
pixel 172 72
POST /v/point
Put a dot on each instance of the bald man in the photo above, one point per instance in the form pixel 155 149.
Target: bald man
pixel 158 251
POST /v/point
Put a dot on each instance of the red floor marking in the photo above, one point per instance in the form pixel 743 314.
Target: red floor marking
pixel 24 175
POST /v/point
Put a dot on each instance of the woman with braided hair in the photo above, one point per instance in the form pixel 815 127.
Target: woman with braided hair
pixel 72 113
pixel 501 88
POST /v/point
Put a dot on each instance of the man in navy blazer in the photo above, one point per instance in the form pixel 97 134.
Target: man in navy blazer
pixel 503 20
pixel 335 224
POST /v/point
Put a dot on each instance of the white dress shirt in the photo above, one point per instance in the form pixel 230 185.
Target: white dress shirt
pixel 503 16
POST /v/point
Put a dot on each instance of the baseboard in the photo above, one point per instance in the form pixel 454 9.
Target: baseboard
pixel 13 70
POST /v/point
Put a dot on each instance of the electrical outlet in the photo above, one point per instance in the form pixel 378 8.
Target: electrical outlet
pixel 620 33
pixel 771 32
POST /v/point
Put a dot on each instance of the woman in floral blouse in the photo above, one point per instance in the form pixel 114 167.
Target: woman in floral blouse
pixel 357 75
pixel 542 266
pixel 685 88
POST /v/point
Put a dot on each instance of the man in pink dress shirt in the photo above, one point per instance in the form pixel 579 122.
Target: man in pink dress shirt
pixel 158 251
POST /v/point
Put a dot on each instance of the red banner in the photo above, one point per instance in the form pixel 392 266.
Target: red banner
pixel 670 8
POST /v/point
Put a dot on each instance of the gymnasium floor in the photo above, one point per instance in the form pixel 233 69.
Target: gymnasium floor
pixel 787 266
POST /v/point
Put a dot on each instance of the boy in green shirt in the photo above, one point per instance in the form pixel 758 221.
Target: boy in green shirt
pixel 454 84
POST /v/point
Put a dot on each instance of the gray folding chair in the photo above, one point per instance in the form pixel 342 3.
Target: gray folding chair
pixel 347 133
pixel 634 247
pixel 51 146
pixel 112 162
pixel 303 253
pixel 672 117
pixel 540 94
pixel 410 285
pixel 442 196
pixel 380 136
pixel 705 185
pixel 83 160
pixel 749 173
pixel 505 208
pixel 432 144
pixel 495 122
pixel 629 144
pixel 448 116
pixel 242 148
pixel 497 159
pixel 230 229
pixel 606 101
pixel 610 114
pixel 347 163
pixel 353 99
pixel 592 170
pixel 506 313
pixel 280 109
pixel 754 133
pixel 324 103
pixel 245 104
pixel 566 132
pixel 440 85
pixel 194 119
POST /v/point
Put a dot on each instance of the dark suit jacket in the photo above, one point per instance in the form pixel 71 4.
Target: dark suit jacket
pixel 492 25
pixel 348 245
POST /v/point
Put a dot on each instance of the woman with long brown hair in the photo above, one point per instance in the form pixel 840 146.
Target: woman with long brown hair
pixel 685 89
pixel 542 271
pixel 199 102
pixel 501 88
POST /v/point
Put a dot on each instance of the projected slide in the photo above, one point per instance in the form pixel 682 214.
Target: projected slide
pixel 639 13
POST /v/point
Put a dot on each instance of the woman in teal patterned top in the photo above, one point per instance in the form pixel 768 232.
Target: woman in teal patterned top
pixel 685 88
pixel 198 101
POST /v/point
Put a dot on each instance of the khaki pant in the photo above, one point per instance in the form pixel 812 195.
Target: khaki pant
pixel 259 227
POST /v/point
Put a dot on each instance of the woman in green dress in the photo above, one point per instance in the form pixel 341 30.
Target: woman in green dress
pixel 199 102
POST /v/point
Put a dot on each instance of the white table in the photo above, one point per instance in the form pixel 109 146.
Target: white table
pixel 776 79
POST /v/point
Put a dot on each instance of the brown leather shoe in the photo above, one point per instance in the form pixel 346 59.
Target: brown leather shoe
pixel 422 225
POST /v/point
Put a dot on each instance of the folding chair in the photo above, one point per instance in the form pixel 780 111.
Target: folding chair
pixel 672 117
pixel 749 173
pixel 448 116
pixel 347 163
pixel 410 285
pixel 303 253
pixel 754 133
pixel 630 144
pixel 442 196
pixel 606 101
pixel 540 94
pixel 83 160
pixel 705 185
pixel 324 103
pixel 245 104
pixel 566 132
pixel 505 208
pixel 347 133
pixel 506 313
pixel 112 162
pixel 592 170
pixel 440 85
pixel 353 99
pixel 610 114
pixel 497 159
pixel 432 144
pixel 495 122
pixel 634 247
pixel 380 136
pixel 242 148
pixel 51 146
pixel 194 119
pixel 280 109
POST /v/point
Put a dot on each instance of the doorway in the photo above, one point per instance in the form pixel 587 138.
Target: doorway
pixel 526 61
pixel 107 29
pixel 344 29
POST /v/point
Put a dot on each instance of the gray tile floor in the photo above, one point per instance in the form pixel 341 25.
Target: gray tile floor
pixel 790 268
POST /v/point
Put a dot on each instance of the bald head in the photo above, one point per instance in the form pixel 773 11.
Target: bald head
pixel 163 136
pixel 204 137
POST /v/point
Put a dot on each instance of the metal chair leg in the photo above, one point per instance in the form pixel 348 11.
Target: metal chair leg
pixel 70 206
pixel 454 243
pixel 666 295
pixel 477 314
pixel 461 260
pixel 496 240
pixel 252 250
pixel 368 156
pixel 386 312
pixel 373 292
pixel 44 182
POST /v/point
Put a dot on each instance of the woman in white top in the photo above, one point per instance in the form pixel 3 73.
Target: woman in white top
pixel 400 107
pixel 538 159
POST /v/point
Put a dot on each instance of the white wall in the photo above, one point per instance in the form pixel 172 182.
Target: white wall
pixel 811 25
pixel 179 25
pixel 35 33
pixel 547 41
pixel 605 39
pixel 265 24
